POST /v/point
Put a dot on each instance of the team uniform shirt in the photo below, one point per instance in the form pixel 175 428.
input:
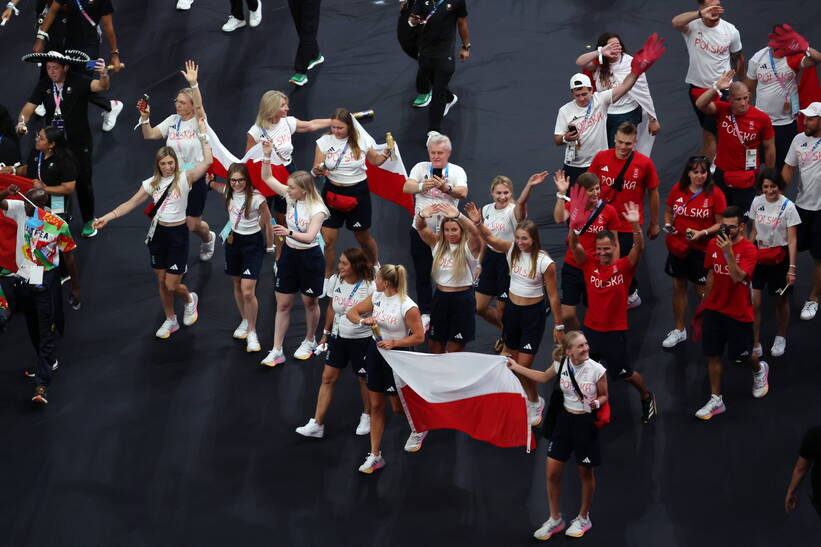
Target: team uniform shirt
pixel 347 170
pixel 445 274
pixel 172 209
pixel 80 32
pixel 639 95
pixel 453 175
pixel 709 51
pixel 772 220
pixel 752 128
pixel 695 210
pixel 344 296
pixel 501 222
pixel 776 84
pixel 438 34
pixel 236 213
pixel 607 291
pixel 728 297
pixel 298 218
pixel 40 238
pixel 389 312
pixel 640 176
pixel 586 375
pixel 805 153
pixel 521 282
pixel 181 135
pixel 590 122
pixel 280 137
pixel 608 219
pixel 9 150
pixel 53 172
pixel 73 98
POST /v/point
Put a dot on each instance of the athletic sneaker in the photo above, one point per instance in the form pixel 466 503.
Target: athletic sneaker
pixel 233 24
pixel 414 442
pixel 74 302
pixel 809 310
pixel 298 79
pixel 450 105
pixel 634 300
pixel 168 327
pixel 252 343
pixel 184 5
pixel 255 17
pixel 372 463
pixel 422 100
pixel 314 62
pixel 534 411
pixel 760 384
pixel 779 346
pixel 207 248
pixel 88 229
pixel 40 395
pixel 189 312
pixel 714 406
pixel 275 357
pixel 241 332
pixel 110 118
pixel 549 528
pixel 425 321
pixel 578 526
pixel 364 427
pixel 305 350
pixel 311 429
pixel 758 351
pixel 674 337
pixel 649 410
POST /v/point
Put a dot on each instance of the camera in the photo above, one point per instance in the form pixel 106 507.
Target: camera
pixel 724 230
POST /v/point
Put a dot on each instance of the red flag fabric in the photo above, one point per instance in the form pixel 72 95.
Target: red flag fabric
pixel 223 158
pixel 8 228
pixel 387 180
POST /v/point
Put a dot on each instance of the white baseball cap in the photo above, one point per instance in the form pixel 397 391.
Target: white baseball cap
pixel 813 110
pixel 580 80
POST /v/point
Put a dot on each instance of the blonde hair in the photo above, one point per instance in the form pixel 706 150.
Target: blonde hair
pixel 535 249
pixel 165 151
pixel 560 351
pixel 501 179
pixel 187 91
pixel 397 277
pixel 269 103
pixel 442 249
pixel 305 182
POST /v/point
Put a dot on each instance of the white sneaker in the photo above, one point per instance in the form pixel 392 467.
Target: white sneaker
pixel 275 357
pixel 305 350
pixel 534 411
pixel 634 300
pixel 674 337
pixel 311 429
pixel 779 346
pixel 110 118
pixel 809 310
pixel 314 62
pixel 760 384
pixel 425 321
pixel 758 351
pixel 189 314
pixel 255 17
pixel 549 528
pixel 40 110
pixel 184 5
pixel 450 105
pixel 241 332
pixel 578 526
pixel 372 463
pixel 252 343
pixel 233 24
pixel 168 327
pixel 714 406
pixel 364 427
pixel 414 442
pixel 207 249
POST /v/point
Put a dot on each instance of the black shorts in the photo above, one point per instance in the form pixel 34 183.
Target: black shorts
pixel 358 218
pixel 168 249
pixel 720 330
pixel 573 288
pixel 809 232
pixel 575 433
pixel 625 243
pixel 379 372
pixel 342 351
pixel 453 316
pixel 300 270
pixel 277 203
pixel 740 197
pixel 610 349
pixel 243 257
pixel 494 278
pixel 196 199
pixel 708 123
pixel 691 267
pixel 573 173
pixel 772 277
pixel 524 326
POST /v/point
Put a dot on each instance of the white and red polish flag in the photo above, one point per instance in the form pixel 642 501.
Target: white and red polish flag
pixel 469 392
pixel 387 180
pixel 223 158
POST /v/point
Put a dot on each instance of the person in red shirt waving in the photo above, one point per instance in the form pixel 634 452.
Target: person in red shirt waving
pixel 728 309
pixel 607 280
pixel 626 176
pixel 742 130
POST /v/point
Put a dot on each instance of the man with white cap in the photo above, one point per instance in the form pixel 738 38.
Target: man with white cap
pixel 805 153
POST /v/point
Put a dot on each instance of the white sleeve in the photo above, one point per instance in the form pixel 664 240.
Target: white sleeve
pixel 407 305
pixel 791 215
pixel 753 205
pixel 257 200
pixel 291 121
pixel 16 211
pixel 166 124
pixel 606 98
pixel 458 178
pixel 322 143
pixel 146 184
pixel 751 66
pixel 689 28
pixel 791 158
pixel 735 42
pixel 255 132
pixel 319 209
pixel 556 366
pixel 419 172
pixel 561 123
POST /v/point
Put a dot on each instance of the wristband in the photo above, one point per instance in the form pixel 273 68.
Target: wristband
pixel 194 86
pixel 116 52
pixel 42 35
pixel 706 233
pixel 562 196
pixel 792 266
pixel 807 53
pixel 326 332
pixel 14 170
pixel 421 187
pixel 601 58
pixel 716 89
pixel 145 121
pixel 558 327
pixel 16 11
pixel 361 323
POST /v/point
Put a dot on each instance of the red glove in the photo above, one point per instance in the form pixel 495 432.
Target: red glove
pixel 697 324
pixel 578 199
pixel 650 52
pixel 785 41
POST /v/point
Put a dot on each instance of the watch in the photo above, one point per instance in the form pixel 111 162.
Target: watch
pixel 466 47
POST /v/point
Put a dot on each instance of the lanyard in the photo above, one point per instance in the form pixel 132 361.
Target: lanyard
pixel 274 146
pixel 777 77
pixel 179 146
pixel 58 97
pixel 435 8
pixel 347 302
pixel 339 159
pixel 777 222
pixel 86 15
pixel 816 145
pixel 683 208
pixel 239 214
pixel 599 203
pixel 39 163
pixel 444 171
pixel 738 131
pixel 296 218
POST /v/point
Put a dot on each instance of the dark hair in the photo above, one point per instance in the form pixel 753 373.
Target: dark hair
pixel 242 169
pixel 359 263
pixel 692 163
pixel 606 234
pixel 626 128
pixel 733 211
pixel 604 68
pixel 58 138
pixel 588 180
pixel 771 175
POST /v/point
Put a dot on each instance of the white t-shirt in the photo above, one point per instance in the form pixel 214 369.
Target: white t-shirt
pixel 501 222
pixel 389 312
pixel 446 273
pixel 590 122
pixel 586 374
pixel 521 284
pixel 350 170
pixel 173 206
pixel 298 217
pixel 805 153
pixel 709 50
pixel 453 175
pixel 181 135
pixel 344 296
pixel 620 69
pixel 280 137
pixel 774 88
pixel 771 222
pixel 236 213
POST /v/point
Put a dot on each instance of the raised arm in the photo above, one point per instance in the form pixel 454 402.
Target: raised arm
pixel 421 225
pixel 681 20
pixel 199 170
pixel 650 52
pixel 190 73
pixel 576 247
pixel 42 32
pixel 475 239
pixel 313 125
pixel 631 215
pixel 560 214
pixel 521 204
pixel 267 176
pixel 475 216
pixel 726 245
pixel 377 157
pixel 103 82
pixel 149 133
pixel 122 209
pixel 705 101
pixel 107 27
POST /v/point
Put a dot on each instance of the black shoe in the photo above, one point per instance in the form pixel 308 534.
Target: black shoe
pixel 40 394
pixel 648 410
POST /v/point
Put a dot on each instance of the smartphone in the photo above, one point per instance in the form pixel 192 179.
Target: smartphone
pixel 572 128
pixel 144 102
pixel 437 172
pixel 91 65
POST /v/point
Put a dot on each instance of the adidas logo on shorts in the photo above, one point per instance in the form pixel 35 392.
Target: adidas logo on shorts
pixel 458 336
pixel 174 267
pixel 246 272
pixel 586 460
pixel 390 389
pixel 503 295
pixel 356 225
pixel 361 371
pixel 309 291
pixel 527 346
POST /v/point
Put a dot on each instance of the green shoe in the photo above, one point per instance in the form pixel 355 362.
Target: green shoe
pixel 318 61
pixel 88 229
pixel 299 79
pixel 422 100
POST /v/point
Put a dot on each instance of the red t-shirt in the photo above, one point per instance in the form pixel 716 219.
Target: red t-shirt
pixel 728 297
pixel 640 176
pixel 697 213
pixel 755 127
pixel 608 219
pixel 607 290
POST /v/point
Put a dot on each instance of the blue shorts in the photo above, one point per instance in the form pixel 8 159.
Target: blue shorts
pixel 494 279
pixel 342 351
pixel 453 316
pixel 574 291
pixel 196 199
pixel 524 326
pixel 243 257
pixel 168 249
pixel 300 270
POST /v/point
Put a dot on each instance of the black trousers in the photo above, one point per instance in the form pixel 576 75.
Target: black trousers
pixel 435 73
pixel 305 14
pixel 407 35
pixel 85 192
pixel 422 264
pixel 236 8
pixel 783 139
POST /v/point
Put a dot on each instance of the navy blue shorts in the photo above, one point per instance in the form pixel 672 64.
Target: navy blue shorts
pixel 300 270
pixel 524 326
pixel 494 279
pixel 196 199
pixel 358 218
pixel 772 277
pixel 453 316
pixel 243 257
pixel 575 433
pixel 691 267
pixel 610 349
pixel 574 291
pixel 809 232
pixel 379 372
pixel 277 203
pixel 342 351
pixel 168 249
